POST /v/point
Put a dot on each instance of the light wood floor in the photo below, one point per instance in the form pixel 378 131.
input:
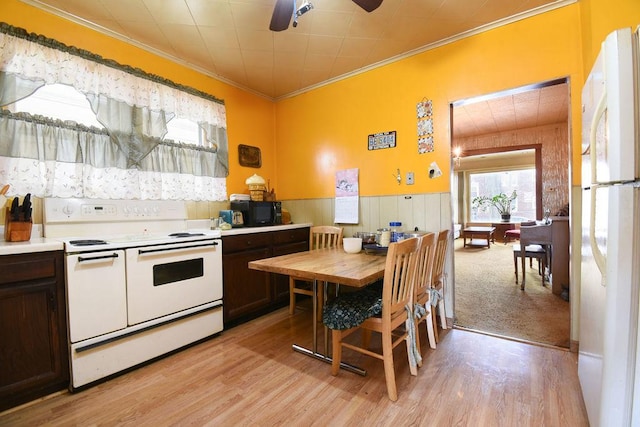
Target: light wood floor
pixel 249 375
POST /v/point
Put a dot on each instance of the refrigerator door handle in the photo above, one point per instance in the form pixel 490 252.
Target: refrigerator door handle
pixel 598 256
pixel 597 115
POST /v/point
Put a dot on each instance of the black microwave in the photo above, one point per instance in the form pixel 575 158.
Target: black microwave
pixel 255 214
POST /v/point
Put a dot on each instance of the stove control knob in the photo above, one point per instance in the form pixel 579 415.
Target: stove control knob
pixel 67 210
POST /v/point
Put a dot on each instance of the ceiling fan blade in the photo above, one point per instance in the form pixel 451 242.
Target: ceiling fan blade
pixel 368 5
pixel 282 13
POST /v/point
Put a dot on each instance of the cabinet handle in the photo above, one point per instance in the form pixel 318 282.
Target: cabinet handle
pixel 52 302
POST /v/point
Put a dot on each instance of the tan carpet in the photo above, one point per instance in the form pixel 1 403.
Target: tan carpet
pixel 488 299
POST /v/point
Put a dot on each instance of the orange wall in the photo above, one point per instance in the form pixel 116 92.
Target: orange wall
pixel 326 129
pixel 250 118
pixel 599 18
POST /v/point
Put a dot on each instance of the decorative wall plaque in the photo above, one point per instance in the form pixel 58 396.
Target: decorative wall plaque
pixel 381 140
pixel 424 113
pixel 249 156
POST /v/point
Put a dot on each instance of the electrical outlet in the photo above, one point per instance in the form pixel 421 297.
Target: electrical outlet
pixel 409 178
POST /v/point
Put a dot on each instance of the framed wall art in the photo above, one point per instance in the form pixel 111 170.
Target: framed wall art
pixel 249 156
pixel 381 140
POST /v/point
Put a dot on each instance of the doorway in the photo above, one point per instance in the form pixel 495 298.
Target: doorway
pixel 491 130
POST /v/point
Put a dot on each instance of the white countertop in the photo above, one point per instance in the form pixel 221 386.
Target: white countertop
pixel 36 244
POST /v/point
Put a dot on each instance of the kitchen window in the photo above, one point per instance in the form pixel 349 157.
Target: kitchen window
pixel 57 101
pixel 63 102
pixel 140 139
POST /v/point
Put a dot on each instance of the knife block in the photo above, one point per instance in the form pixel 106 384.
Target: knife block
pixel 16 231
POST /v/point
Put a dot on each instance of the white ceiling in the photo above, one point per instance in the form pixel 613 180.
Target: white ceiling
pixel 231 40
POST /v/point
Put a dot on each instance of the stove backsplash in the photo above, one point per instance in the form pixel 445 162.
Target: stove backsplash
pixel 200 210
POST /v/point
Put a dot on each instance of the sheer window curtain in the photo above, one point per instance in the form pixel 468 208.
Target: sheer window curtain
pixel 127 160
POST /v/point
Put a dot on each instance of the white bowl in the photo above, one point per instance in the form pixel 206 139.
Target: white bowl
pixel 352 245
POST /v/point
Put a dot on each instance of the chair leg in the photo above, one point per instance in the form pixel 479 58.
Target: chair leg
pixel 434 325
pixel 416 328
pixel 336 354
pixel 413 370
pixel 430 333
pixel 515 265
pixel 443 314
pixel 389 373
pixel 524 267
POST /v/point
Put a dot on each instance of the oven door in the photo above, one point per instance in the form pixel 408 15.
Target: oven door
pixel 165 279
pixel 96 293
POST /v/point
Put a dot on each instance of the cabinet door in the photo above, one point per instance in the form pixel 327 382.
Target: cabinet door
pixel 245 290
pixel 280 282
pixel 33 339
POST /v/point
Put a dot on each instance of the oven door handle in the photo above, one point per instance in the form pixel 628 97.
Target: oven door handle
pixel 174 248
pixel 85 259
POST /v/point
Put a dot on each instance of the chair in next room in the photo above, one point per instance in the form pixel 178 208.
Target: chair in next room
pixel 535 242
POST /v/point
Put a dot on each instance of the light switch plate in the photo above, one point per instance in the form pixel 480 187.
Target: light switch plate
pixel 409 178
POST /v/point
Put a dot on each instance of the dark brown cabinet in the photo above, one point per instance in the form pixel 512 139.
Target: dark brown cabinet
pixel 34 358
pixel 250 293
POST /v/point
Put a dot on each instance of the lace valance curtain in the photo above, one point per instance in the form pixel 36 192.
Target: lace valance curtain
pixel 129 160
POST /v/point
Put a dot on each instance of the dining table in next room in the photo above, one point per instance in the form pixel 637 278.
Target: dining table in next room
pixel 330 265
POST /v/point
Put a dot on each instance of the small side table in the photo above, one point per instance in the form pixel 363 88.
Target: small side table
pixel 483 234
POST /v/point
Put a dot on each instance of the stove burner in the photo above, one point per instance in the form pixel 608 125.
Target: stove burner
pixel 185 234
pixel 87 242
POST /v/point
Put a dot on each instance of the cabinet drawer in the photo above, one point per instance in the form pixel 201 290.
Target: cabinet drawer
pixel 18 268
pixel 290 236
pixel 245 241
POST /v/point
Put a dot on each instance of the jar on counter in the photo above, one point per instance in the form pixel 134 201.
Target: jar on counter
pixel 396 230
pixel 383 237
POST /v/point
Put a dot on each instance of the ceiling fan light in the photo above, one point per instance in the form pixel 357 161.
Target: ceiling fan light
pixel 304 8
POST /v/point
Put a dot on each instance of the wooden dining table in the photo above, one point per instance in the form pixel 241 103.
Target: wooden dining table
pixel 330 265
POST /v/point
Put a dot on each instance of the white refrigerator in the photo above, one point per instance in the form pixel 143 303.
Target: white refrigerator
pixel 610 270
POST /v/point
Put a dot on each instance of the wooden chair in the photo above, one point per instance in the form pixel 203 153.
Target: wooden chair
pixel 535 239
pixel 437 279
pixel 422 288
pixel 365 310
pixel 321 236
pixel 531 251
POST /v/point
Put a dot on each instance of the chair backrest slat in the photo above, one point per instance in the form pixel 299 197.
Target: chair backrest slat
pixel 325 236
